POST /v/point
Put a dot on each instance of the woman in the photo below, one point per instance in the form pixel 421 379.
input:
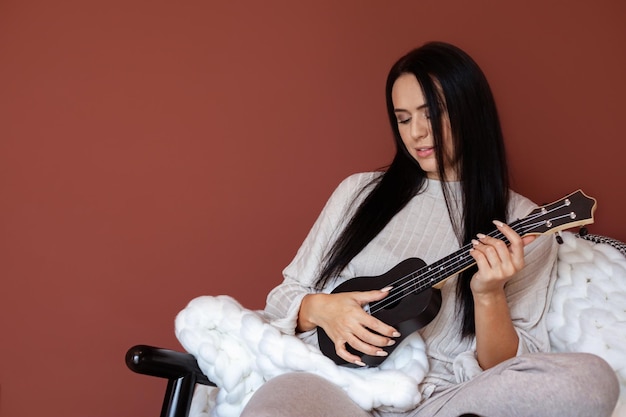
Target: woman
pixel 446 187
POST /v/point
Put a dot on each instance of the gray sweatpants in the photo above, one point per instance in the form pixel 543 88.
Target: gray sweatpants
pixel 536 385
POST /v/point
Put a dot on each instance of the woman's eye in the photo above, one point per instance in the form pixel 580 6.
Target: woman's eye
pixel 404 121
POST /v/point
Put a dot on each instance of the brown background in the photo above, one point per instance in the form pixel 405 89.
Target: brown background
pixel 152 152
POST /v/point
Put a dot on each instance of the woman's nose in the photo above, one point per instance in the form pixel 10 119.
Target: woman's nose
pixel 419 127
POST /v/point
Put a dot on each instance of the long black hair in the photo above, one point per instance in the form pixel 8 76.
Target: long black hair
pixel 452 83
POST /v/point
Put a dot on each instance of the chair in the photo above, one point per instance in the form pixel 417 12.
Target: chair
pixel 182 371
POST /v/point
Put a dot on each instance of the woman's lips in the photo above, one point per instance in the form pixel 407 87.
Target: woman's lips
pixel 425 152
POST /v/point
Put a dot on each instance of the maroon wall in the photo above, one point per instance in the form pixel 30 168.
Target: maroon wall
pixel 155 151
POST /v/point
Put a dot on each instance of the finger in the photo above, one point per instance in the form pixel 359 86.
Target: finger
pixel 373 323
pixel 344 353
pixel 360 345
pixel 373 338
pixel 515 241
pixel 517 244
pixel 528 239
pixel 365 297
pixel 502 262
pixel 494 249
pixel 481 260
pixel 384 334
pixel 481 245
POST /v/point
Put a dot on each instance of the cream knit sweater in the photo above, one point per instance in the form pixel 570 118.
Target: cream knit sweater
pixel 422 229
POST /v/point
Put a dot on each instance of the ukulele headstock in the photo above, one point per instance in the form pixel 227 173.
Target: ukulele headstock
pixel 575 209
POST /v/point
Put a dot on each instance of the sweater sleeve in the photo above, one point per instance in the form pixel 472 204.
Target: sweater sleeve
pixel 528 295
pixel 530 291
pixel 283 302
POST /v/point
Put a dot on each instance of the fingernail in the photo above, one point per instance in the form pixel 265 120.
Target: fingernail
pixel 480 236
pixel 381 353
pixel 392 342
pixel 359 363
pixel 498 223
pixel 386 289
pixel 396 334
pixel 475 242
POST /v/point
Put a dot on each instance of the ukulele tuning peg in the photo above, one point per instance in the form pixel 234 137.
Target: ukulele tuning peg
pixel 559 238
pixel 583 231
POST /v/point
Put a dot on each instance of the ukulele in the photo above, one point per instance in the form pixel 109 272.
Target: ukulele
pixel 415 298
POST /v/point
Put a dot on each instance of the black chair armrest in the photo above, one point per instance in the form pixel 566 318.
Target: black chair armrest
pixel 164 363
pixel 180 369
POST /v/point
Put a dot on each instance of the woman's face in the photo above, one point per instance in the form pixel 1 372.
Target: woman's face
pixel 415 128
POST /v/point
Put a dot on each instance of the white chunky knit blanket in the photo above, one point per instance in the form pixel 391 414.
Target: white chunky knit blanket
pixel 588 308
pixel 238 350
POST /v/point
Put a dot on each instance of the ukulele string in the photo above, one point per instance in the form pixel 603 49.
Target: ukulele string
pixel 456 262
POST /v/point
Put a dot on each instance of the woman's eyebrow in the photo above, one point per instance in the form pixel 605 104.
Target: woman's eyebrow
pixel 423 106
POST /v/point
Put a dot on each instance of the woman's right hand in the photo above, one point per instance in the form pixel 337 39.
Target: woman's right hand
pixel 344 320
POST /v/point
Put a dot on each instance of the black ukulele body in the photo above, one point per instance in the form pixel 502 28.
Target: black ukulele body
pixel 413 309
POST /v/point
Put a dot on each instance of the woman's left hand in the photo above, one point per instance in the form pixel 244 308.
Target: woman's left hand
pixel 497 262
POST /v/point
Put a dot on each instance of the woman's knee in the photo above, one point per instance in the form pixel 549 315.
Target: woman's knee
pixel 576 384
pixel 300 393
pixel 593 379
pixel 599 373
pixel 277 396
